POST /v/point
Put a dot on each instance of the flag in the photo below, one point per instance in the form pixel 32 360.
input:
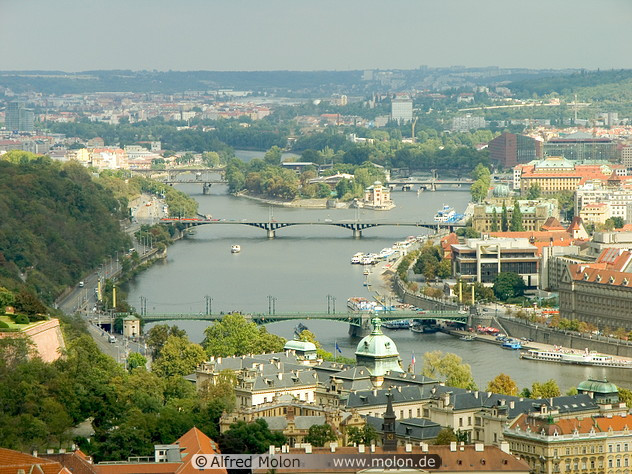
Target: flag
pixel 412 360
pixel 338 347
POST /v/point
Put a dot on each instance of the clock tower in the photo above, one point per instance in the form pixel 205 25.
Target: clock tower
pixel 389 436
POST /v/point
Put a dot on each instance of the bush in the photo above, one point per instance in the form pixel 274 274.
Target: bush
pixel 21 319
pixel 3 325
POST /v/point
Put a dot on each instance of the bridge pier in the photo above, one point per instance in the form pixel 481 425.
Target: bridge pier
pixel 363 330
pixel 357 233
pixel 271 234
pixel 206 188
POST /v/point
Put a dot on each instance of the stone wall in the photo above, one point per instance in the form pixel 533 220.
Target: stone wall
pixel 46 336
pixel 517 328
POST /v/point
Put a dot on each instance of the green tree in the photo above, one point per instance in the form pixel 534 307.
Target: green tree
pixel 516 218
pixel 178 357
pixel 504 219
pixel 508 285
pixel 450 368
pixel 503 384
pixel 249 438
pixel 7 298
pixel 534 191
pixel 233 335
pixel 365 435
pixel 134 360
pixel 273 156
pixel 625 395
pixel 445 436
pixel 158 335
pixel 319 435
pixel 494 226
pixel 547 389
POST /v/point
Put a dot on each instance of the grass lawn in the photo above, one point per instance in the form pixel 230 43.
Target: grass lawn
pixel 9 321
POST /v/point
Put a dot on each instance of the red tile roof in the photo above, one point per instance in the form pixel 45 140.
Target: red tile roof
pixel 13 461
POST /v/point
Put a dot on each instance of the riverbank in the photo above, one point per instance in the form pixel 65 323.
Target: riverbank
pixel 297 203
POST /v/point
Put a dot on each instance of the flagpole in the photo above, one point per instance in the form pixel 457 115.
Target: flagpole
pixel 335 349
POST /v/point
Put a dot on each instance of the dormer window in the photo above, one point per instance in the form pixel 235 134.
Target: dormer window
pixel 625 282
pixel 585 276
pixel 611 280
pixel 598 278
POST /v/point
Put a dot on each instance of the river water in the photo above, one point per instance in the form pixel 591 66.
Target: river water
pixel 304 268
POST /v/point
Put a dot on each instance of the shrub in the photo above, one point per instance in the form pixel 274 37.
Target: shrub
pixel 3 325
pixel 22 319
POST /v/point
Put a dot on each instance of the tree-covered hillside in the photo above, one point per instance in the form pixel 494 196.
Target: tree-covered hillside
pixel 574 83
pixel 56 223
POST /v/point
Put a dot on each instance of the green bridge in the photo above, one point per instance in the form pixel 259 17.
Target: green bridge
pixel 359 322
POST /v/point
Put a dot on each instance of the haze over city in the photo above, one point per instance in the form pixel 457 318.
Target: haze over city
pixel 77 35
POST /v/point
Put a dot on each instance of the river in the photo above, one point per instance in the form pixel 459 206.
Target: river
pixel 303 266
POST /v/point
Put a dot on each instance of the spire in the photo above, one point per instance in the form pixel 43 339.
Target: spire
pixel 389 441
pixel 377 324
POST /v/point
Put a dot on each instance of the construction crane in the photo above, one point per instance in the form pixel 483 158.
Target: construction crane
pixel 412 134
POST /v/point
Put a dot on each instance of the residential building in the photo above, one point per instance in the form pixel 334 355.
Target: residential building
pixel 599 293
pixel 482 259
pixel 581 146
pixel 535 213
pixel 604 240
pixel 467 123
pixel 402 110
pixel 510 149
pixel 625 155
pixel 555 173
pixel 18 118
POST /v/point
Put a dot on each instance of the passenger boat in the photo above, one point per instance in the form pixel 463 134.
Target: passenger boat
pixel 357 258
pixel 467 337
pixel 444 214
pixel 235 249
pixel 582 358
pixel 511 344
pixel 399 324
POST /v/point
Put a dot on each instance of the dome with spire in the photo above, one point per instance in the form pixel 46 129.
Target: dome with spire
pixel 377 352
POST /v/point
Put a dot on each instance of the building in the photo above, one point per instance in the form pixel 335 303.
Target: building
pixel 556 173
pixel 18 118
pixel 467 123
pixel 378 353
pixel 377 197
pixel 510 149
pixel 535 214
pixel 599 293
pixel 552 441
pixel 597 213
pixel 581 146
pixel 402 110
pixel 131 326
pixel 482 259
pixel 617 198
pixel 625 155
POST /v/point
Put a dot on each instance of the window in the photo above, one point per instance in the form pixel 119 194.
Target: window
pixel 610 449
pixel 460 421
pixel 609 462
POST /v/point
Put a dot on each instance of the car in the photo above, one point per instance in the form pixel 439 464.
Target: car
pixel 111 339
pixel 81 284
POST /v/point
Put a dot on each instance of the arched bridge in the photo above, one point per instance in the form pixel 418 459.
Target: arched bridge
pixel 272 226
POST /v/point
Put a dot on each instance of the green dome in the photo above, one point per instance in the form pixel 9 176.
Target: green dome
pixel 597 386
pixel 501 190
pixel 377 344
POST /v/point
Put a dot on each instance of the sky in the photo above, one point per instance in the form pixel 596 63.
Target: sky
pixel 247 35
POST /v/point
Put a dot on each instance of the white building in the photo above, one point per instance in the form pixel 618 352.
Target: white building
pixel 616 199
pixel 402 110
pixel 467 123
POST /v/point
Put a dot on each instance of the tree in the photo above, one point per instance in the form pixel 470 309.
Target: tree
pixel 508 285
pixel 365 435
pixel 7 298
pixel 503 384
pixel 445 436
pixel 273 156
pixel 249 438
pixel 534 191
pixel 134 360
pixel 504 219
pixel 178 357
pixel 319 435
pixel 625 395
pixel 233 335
pixel 158 335
pixel 494 226
pixel 516 219
pixel 449 367
pixel 547 389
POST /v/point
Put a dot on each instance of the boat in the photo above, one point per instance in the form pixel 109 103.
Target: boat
pixel 511 344
pixel 300 327
pixel 591 358
pixel 386 253
pixel 467 337
pixel 444 214
pixel 367 272
pixel 357 258
pixel 235 249
pixel 357 303
pixel 399 324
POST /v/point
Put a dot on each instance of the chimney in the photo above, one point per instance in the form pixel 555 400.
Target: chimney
pixel 308 449
pixel 333 447
pixel 219 360
pixel 372 447
pixel 280 374
pixel 476 394
pixel 271 449
pixel 512 404
pixel 453 446
pixel 35 453
pixel 62 451
pixel 409 448
pixel 374 392
pixel 424 447
pixel 479 447
pixel 361 448
pixel 504 447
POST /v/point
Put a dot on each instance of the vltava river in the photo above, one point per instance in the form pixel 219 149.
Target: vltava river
pixel 302 266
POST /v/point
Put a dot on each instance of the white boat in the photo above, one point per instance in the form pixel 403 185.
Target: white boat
pixel 385 253
pixel 357 258
pixel 235 249
pixel 578 358
pixel 444 214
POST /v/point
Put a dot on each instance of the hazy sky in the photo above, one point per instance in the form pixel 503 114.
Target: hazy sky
pixel 76 35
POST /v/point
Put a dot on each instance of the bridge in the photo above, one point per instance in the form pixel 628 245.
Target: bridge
pixel 272 226
pixel 204 176
pixel 359 323
pixel 432 184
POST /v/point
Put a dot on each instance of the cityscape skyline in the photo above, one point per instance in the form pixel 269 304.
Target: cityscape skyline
pixel 75 35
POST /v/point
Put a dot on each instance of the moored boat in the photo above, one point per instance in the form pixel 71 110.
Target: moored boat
pixel 398 324
pixel 444 214
pixel 235 249
pixel 577 358
pixel 467 337
pixel 511 344
pixel 357 258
